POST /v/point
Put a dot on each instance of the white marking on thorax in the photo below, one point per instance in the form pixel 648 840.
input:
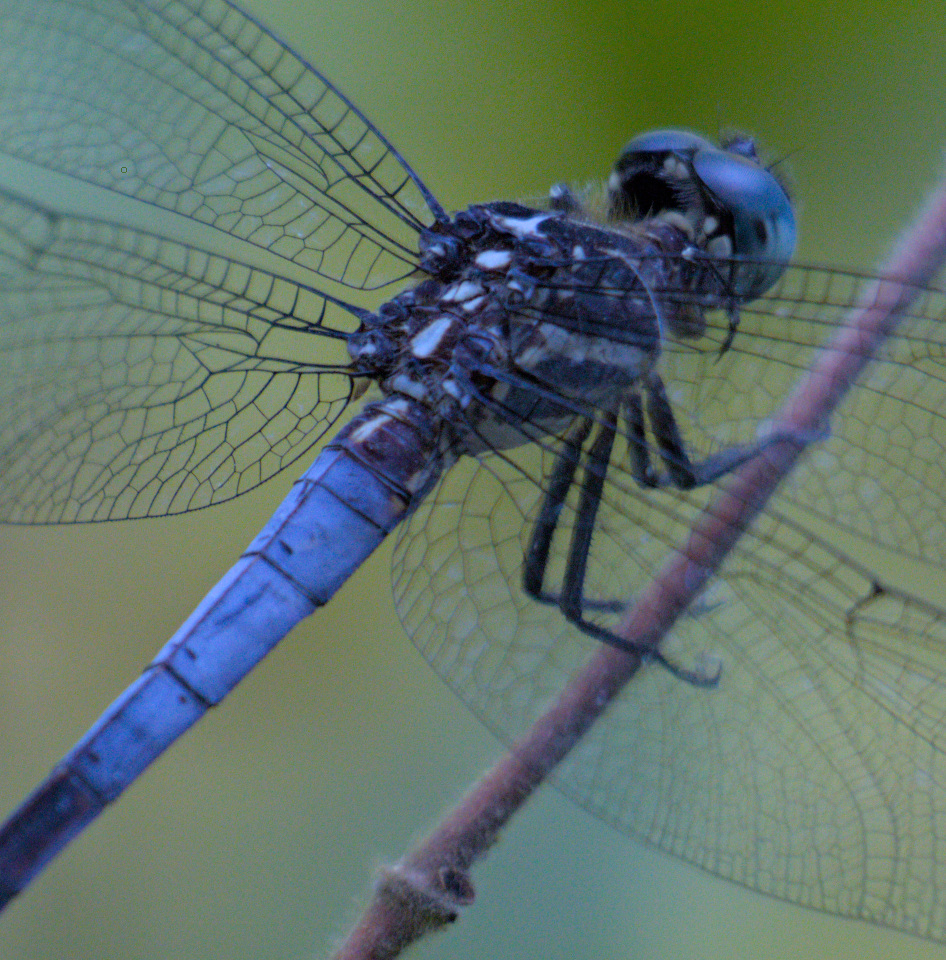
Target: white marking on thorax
pixel 473 304
pixel 493 259
pixel 452 389
pixel 393 408
pixel 458 292
pixel 366 349
pixel 425 342
pixel 576 349
pixel 519 227
pixel 401 383
pixel 366 429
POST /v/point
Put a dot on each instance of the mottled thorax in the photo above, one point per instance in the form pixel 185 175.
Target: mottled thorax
pixel 527 316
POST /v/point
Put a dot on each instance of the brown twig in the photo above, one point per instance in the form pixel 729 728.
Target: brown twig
pixel 431 884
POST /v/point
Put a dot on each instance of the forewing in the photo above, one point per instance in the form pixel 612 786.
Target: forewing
pixel 193 107
pixel 147 376
pixel 143 377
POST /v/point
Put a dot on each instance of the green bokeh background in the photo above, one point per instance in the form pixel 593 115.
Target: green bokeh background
pixel 256 836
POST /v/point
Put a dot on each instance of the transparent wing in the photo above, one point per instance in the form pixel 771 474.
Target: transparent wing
pixel 814 771
pixel 193 107
pixel 881 476
pixel 143 377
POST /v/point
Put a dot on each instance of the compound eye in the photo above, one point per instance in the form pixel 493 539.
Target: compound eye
pixel 651 173
pixel 665 141
pixel 720 196
pixel 761 222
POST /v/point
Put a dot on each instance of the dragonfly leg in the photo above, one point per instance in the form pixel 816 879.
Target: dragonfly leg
pixel 681 471
pixel 572 601
pixel 560 480
pixel 638 450
pixel 540 543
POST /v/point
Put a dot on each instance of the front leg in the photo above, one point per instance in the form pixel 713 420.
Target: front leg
pixel 682 472
pixel 561 477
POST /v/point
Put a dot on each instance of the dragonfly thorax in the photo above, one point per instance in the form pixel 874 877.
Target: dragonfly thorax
pixel 529 316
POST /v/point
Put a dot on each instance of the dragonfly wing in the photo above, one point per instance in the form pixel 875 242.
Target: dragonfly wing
pixel 810 773
pixel 807 774
pixel 193 107
pixel 143 377
pixel 879 474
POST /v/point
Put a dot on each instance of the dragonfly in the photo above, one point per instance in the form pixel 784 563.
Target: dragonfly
pixel 559 389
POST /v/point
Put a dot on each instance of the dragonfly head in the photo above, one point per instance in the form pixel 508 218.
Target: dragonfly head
pixel 722 196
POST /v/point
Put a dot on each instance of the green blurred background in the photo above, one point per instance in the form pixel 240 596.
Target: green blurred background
pixel 256 836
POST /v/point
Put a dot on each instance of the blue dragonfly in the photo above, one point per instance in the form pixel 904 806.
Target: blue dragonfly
pixel 559 389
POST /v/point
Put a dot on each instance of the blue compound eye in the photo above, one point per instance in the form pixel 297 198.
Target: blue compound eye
pixel 654 174
pixel 762 225
pixel 721 196
pixel 666 141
